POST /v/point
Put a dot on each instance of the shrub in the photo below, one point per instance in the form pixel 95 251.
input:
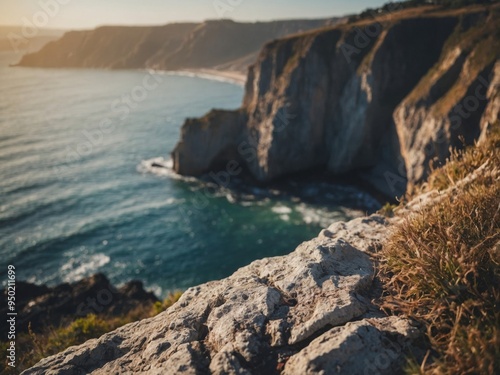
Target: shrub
pixel 463 162
pixel 79 331
pixel 172 298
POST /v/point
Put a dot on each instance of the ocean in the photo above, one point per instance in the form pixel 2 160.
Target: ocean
pixel 79 192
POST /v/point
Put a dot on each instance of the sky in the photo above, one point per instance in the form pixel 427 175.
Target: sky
pixel 84 14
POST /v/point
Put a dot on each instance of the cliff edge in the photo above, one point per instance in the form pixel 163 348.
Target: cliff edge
pixel 380 98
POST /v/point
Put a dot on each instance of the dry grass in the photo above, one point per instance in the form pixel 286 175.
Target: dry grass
pixel 462 163
pixel 441 266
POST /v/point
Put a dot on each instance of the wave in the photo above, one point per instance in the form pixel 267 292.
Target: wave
pixel 75 269
pixel 279 209
pixel 160 166
pixel 324 217
pixel 253 196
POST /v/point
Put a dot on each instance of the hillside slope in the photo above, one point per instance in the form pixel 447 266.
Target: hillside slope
pixel 169 47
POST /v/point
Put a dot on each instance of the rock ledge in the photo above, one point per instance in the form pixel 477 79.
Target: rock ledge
pixel 304 313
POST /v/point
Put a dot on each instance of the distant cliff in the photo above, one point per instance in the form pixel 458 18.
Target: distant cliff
pixel 210 44
pixel 380 97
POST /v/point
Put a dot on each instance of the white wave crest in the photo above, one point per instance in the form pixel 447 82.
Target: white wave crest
pixel 161 167
pixel 75 269
pixel 281 209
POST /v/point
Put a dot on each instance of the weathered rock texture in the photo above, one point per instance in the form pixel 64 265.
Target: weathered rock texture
pixel 307 312
pixel 371 96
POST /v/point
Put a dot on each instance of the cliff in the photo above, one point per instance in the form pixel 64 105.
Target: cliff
pixel 379 98
pixel 211 44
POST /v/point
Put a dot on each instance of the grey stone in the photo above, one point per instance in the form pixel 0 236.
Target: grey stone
pixel 245 323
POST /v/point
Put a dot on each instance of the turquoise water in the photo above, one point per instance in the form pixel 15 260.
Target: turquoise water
pixel 78 194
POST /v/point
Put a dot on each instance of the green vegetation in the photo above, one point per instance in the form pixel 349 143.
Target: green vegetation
pixel 441 266
pixel 161 306
pixel 387 210
pixel 32 347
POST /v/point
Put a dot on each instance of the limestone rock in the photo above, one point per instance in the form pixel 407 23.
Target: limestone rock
pixel 369 346
pixel 250 322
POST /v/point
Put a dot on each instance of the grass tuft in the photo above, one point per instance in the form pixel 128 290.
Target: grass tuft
pixel 441 266
pixel 461 163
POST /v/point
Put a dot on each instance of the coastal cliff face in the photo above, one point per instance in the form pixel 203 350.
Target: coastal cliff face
pixel 369 96
pixel 457 101
pixel 212 44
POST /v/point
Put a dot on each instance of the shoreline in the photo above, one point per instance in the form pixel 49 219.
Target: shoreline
pixel 213 74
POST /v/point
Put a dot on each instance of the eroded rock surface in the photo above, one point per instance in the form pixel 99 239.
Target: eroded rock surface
pixel 369 346
pixel 301 312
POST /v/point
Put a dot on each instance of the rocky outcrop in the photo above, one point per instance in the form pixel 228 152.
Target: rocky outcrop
pixel 213 143
pixel 307 312
pixel 41 306
pixel 362 98
pixel 368 346
pixel 220 44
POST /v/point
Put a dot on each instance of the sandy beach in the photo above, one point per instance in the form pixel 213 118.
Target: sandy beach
pixel 223 75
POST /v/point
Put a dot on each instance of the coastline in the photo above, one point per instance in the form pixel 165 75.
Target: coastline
pixel 213 74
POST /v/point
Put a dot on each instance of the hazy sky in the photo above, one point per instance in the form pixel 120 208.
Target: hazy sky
pixel 72 14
